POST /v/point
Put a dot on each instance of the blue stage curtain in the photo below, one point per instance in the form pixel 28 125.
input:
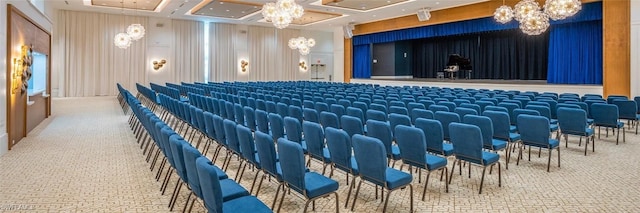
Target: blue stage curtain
pixel 589 12
pixel 575 53
pixel 362 61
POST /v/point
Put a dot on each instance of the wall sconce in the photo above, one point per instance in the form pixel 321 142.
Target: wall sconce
pixel 244 64
pixel 158 64
pixel 22 72
pixel 303 66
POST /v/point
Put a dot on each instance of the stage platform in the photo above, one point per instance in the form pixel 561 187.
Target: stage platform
pixel 522 85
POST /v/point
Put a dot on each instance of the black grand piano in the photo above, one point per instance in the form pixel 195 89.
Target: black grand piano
pixel 456 64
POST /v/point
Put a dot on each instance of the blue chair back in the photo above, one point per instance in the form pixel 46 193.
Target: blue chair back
pixel 467 142
pixel 310 115
pixel 314 137
pixel 247 144
pixel 461 111
pixel 296 112
pixel 572 121
pixel 262 121
pixel 208 178
pixel 218 125
pixel 421 113
pixel 238 112
pixel 338 109
pixel 352 125
pixel 176 142
pixel 500 121
pixel 398 119
pixel 190 155
pixel 605 114
pixel 292 162
pixel 370 156
pixel 276 124
pixel 339 145
pixel 541 109
pixel 534 130
pixel 293 128
pixel 376 115
pixel 445 119
pixel 231 135
pixel 382 131
pixel 250 117
pixel 434 134
pixel 486 127
pixel 627 109
pixel 412 144
pixel 267 154
pixel 510 107
pixel 398 110
pixel 329 119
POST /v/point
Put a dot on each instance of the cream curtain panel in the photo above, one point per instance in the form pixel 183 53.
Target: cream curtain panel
pixel 269 54
pixel 91 63
pixel 188 46
pixel 222 52
pixel 288 59
pixel 262 53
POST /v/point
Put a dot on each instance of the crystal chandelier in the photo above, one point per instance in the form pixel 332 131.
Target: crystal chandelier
pixel 135 31
pixel 535 24
pixel 533 20
pixel 282 12
pixel 561 9
pixel 503 14
pixel 122 40
pixel 302 44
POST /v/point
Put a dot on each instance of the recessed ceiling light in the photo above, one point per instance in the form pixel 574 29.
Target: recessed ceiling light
pixel 374 15
pixel 221 2
pixel 232 16
pixel 211 8
pixel 364 8
pixel 243 12
pixel 332 10
pixel 437 2
pixel 403 10
pixel 227 10
pixel 388 1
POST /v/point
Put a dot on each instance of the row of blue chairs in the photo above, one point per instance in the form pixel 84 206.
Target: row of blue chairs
pixel 205 180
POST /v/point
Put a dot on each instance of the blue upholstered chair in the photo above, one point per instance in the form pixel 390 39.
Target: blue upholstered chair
pixel 421 113
pixel 606 115
pixel 340 149
pixel 434 137
pixel 314 138
pixel 376 115
pixel 329 119
pixel 310 185
pixel 352 125
pixel 310 115
pixel 534 131
pixel 294 131
pixel 213 193
pixel 370 155
pixel 398 119
pixel 382 131
pixel 268 161
pixel 262 121
pixel 296 112
pixel 276 124
pixel 231 189
pixel 250 118
pixel 461 111
pixel 445 119
pixel 627 110
pixel 574 122
pixel 486 126
pixel 413 146
pixel 467 146
pixel 248 151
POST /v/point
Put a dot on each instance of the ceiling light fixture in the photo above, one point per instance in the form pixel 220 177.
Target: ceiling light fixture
pixel 282 12
pixel 534 20
pixel 136 31
pixel 122 40
pixel 302 44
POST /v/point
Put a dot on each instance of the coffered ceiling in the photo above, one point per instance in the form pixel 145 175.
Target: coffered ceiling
pixel 319 14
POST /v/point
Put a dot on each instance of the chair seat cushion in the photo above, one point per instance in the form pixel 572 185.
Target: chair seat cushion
pixel 589 121
pixel 317 184
pixel 489 158
pixel 184 99
pixel 246 204
pixel 326 157
pixel 231 190
pixel 553 121
pixel 354 167
pixel 447 148
pixel 435 162
pixel 396 178
pixel 497 144
pixel 553 127
pixel 553 143
pixel 513 137
pixel 513 128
